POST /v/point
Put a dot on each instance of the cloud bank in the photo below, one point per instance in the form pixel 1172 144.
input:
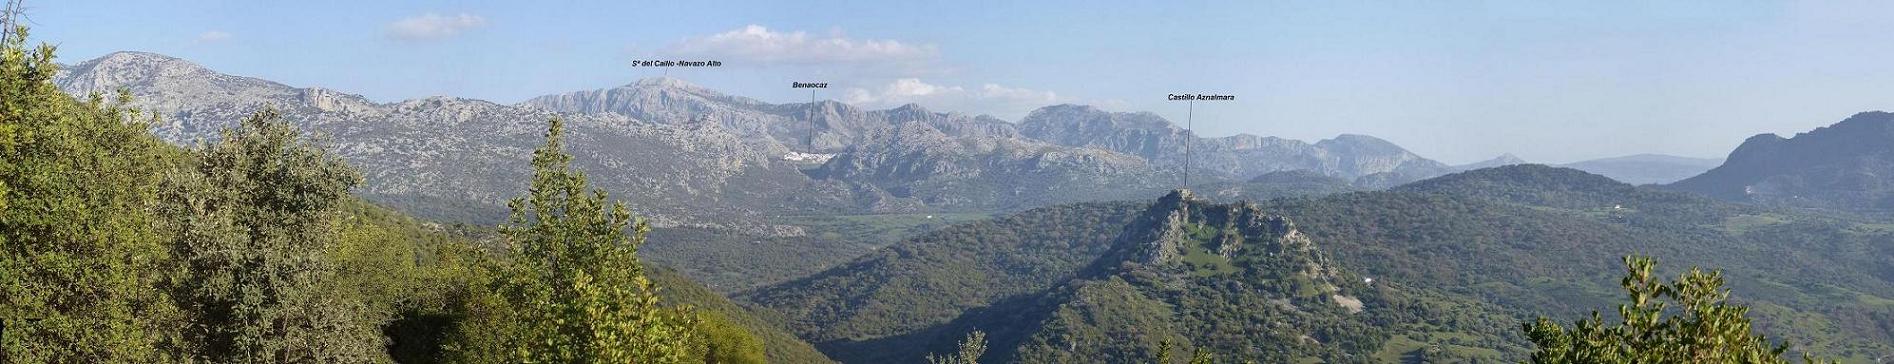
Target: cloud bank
pixel 992 99
pixel 758 44
pixel 433 26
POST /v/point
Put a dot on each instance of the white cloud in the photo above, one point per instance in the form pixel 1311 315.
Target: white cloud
pixel 213 36
pixel 992 91
pixel 991 99
pixel 757 44
pixel 433 26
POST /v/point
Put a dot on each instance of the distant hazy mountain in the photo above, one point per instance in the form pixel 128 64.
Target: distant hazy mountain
pixel 1634 169
pixel 1237 157
pixel 1500 161
pixel 1643 169
pixel 1297 183
pixel 1847 165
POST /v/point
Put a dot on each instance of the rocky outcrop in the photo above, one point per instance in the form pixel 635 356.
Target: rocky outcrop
pixel 1500 161
pixel 1182 233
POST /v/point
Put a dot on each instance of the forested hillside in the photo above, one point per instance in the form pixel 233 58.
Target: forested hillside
pixel 1227 278
pixel 1542 240
pixel 1475 251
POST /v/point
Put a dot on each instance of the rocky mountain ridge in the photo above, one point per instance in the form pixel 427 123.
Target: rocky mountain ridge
pixel 459 159
pixel 682 154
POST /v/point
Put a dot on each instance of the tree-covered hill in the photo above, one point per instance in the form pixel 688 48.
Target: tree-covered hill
pixel 1524 241
pixel 1089 281
pixel 931 279
pixel 778 345
pixel 1542 239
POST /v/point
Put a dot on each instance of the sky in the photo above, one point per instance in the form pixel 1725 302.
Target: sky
pixel 1456 81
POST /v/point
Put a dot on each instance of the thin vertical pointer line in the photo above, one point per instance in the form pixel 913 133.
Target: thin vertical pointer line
pixel 1190 122
pixel 811 120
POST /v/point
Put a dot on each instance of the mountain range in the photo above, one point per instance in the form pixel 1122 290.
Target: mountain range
pixel 821 218
pixel 688 155
pixel 1642 169
pixel 685 153
pixel 1637 169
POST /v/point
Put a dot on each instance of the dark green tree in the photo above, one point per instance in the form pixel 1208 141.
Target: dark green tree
pixel 573 290
pixel 78 253
pixel 1704 327
pixel 969 350
pixel 252 223
pixel 1198 356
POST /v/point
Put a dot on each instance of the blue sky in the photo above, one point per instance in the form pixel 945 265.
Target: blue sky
pixel 1455 81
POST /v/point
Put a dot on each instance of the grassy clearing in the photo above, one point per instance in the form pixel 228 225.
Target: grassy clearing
pixel 1409 348
pixel 1198 254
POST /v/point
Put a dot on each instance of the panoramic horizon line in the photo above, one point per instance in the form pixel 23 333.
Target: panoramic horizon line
pixel 642 80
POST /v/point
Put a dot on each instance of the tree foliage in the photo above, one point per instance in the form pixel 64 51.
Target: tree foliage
pixel 252 225
pixel 78 253
pixel 572 290
pixel 969 350
pixel 726 342
pixel 1704 327
pixel 1164 355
